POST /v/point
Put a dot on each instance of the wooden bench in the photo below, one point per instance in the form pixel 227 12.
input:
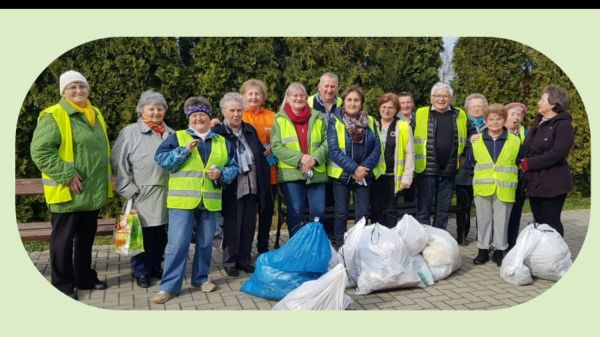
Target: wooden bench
pixel 41 230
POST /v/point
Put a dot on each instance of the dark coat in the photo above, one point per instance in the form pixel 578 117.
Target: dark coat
pixel 263 171
pixel 546 149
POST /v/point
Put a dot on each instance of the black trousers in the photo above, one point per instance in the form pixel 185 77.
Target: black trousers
pixel 464 201
pixel 547 210
pixel 71 250
pixel 329 202
pixel 148 262
pixel 238 230
pixel 514 222
pixel 384 205
pixel 265 219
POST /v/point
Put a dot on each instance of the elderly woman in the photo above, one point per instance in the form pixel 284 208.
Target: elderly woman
pixel 547 174
pixel 70 146
pixel 262 120
pixel 397 148
pixel 515 113
pixel 251 186
pixel 355 159
pixel 299 141
pixel 200 162
pixel 475 104
pixel 140 179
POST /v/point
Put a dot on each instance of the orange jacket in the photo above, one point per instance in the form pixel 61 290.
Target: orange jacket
pixel 262 120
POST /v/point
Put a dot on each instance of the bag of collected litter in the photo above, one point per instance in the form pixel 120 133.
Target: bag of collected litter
pixel 324 293
pixel 348 251
pixel 303 258
pixel 513 269
pixel 336 259
pixel 383 260
pixel 441 253
pixel 412 232
pixel 128 239
pixel 551 257
pixel 420 266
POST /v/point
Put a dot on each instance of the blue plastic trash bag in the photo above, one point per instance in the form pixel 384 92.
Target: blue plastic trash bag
pixel 303 258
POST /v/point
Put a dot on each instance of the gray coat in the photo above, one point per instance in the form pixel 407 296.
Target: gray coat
pixel 138 176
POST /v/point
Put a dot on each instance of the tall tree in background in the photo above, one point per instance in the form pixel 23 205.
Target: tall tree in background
pixel 507 71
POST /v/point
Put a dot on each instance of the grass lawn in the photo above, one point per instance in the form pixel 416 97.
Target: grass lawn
pixel 572 202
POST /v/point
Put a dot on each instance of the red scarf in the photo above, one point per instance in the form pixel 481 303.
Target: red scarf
pixel 158 128
pixel 301 123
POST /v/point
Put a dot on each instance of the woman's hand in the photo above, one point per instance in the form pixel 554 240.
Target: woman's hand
pixel 405 186
pixel 191 145
pixel 475 137
pixel 267 152
pixel 214 174
pixel 214 122
pixel 75 184
pixel 307 160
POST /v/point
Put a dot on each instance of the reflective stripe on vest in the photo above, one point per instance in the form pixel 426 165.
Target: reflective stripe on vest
pixel 334 170
pixel 420 137
pixel 289 139
pixel 500 178
pixel 402 129
pixel 54 192
pixel 189 185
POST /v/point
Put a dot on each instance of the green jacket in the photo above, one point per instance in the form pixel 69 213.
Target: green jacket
pixel 292 157
pixel 91 160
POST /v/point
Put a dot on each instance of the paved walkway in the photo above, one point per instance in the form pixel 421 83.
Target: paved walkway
pixel 471 287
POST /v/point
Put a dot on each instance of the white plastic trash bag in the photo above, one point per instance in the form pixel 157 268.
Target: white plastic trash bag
pixel 384 261
pixel 324 293
pixel 420 266
pixel 551 257
pixel 441 253
pixel 412 232
pixel 348 251
pixel 336 259
pixel 513 269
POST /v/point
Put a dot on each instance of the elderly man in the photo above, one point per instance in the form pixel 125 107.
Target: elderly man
pixel 441 132
pixel 326 99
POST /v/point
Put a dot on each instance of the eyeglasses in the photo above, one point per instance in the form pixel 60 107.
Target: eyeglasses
pixel 476 106
pixel 440 96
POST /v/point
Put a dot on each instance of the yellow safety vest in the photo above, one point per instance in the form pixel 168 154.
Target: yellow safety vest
pixel 500 178
pixel 53 191
pixel 420 137
pixel 189 185
pixel 334 170
pixel 289 139
pixel 402 129
pixel 522 133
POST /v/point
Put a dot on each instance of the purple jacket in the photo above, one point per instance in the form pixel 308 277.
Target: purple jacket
pixel 546 149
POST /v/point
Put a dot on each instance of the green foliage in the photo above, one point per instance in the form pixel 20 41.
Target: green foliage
pixel 507 71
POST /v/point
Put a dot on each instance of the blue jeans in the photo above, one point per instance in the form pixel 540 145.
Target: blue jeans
pixel 295 194
pixel 341 194
pixel 434 187
pixel 181 224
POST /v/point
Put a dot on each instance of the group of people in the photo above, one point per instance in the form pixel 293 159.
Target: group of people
pixel 317 150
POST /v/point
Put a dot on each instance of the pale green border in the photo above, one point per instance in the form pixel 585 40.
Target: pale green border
pixel 30 40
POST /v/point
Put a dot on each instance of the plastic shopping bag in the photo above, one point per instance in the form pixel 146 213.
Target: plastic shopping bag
pixel 128 238
pixel 324 293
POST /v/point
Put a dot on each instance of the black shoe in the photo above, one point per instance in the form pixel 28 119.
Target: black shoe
pixel 73 294
pixel 482 257
pixel 262 251
pixel 157 273
pixel 143 281
pixel 232 271
pixel 249 269
pixel 98 285
pixel 498 256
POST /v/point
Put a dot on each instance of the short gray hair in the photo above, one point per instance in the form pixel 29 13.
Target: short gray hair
pixel 476 95
pixel 444 86
pixel 233 97
pixel 329 75
pixel 150 97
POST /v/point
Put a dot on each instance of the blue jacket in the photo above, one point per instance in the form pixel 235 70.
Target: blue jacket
pixel 171 156
pixel 365 154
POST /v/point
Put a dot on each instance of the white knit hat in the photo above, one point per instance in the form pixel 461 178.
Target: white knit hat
pixel 69 77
